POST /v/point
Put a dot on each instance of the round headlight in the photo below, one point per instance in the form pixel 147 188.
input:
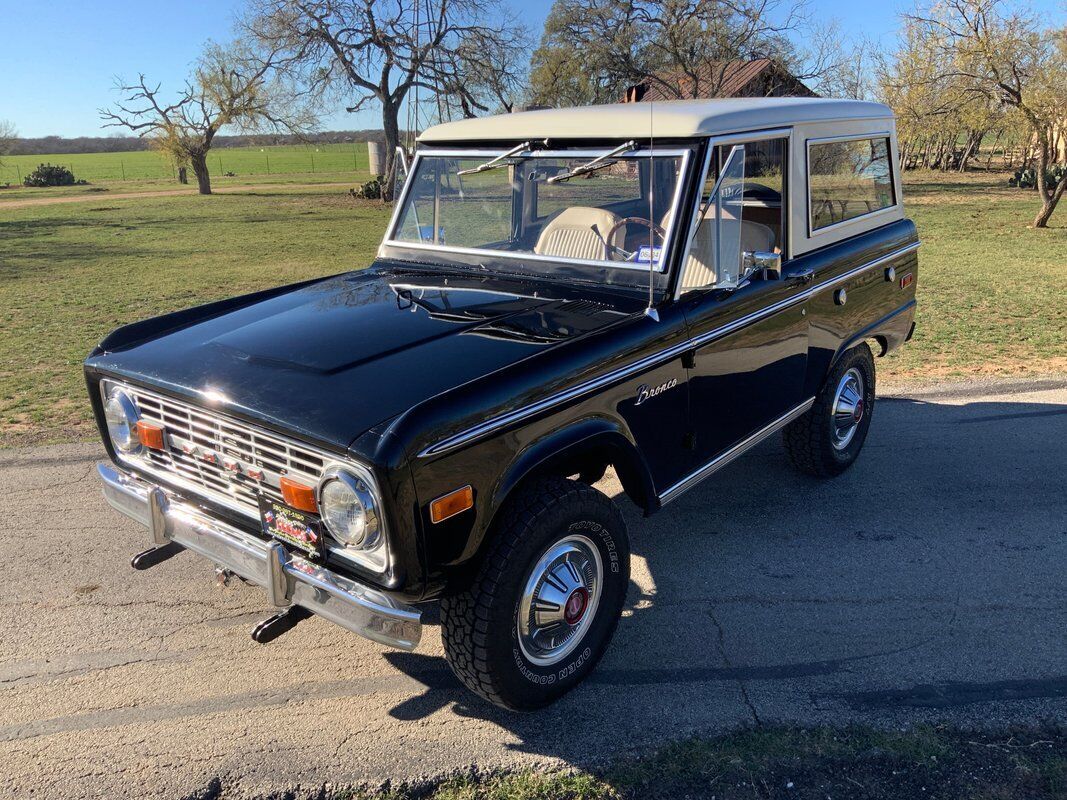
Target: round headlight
pixel 120 413
pixel 347 507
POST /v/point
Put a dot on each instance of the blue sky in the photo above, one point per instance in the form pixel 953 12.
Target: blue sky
pixel 60 58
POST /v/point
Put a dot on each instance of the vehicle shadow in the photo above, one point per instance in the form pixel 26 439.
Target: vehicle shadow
pixel 909 585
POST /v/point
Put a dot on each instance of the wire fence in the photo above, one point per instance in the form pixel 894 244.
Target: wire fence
pixel 240 161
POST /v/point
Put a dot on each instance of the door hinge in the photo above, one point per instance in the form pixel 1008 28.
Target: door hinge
pixel 689 359
pixel 689 441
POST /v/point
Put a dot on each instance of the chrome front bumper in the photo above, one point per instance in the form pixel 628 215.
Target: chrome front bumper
pixel 287 578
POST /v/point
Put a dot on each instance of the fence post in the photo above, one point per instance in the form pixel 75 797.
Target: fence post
pixel 265 153
pixel 313 162
pixel 220 166
pixel 18 173
pixel 122 166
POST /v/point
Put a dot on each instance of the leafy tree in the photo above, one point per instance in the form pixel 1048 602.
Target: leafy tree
pixel 982 55
pixel 592 50
pixel 464 53
pixel 230 86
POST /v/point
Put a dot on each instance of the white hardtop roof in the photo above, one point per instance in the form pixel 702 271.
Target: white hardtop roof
pixel 670 119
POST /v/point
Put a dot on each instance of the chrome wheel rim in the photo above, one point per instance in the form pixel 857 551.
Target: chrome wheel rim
pixel 848 409
pixel 559 600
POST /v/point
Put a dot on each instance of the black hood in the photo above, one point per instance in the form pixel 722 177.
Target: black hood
pixel 330 359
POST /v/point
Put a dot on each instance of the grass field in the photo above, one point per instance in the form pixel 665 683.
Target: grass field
pixel 789 764
pixel 243 161
pixel 991 293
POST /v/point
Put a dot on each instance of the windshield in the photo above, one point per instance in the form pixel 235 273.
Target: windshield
pixel 532 208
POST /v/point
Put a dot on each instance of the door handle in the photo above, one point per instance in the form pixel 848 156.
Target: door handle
pixel 801 278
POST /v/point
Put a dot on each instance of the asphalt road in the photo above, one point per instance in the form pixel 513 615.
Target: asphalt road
pixel 928 583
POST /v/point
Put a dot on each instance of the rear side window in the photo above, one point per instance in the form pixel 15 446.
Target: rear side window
pixel 848 179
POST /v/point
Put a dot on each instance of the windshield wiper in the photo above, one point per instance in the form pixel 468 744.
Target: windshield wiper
pixel 500 160
pixel 597 163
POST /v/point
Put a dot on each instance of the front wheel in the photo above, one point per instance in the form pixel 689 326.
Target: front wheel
pixel 542 608
pixel 827 439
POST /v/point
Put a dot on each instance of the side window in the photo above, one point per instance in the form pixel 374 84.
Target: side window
pixel 741 212
pixel 401 170
pixel 848 179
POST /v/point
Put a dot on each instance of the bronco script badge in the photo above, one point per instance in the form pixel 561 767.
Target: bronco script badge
pixel 644 393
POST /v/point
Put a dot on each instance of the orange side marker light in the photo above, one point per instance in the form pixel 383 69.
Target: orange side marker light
pixel 299 495
pixel 451 504
pixel 151 435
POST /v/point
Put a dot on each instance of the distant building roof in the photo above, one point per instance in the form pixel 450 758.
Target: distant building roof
pixel 760 77
pixel 677 118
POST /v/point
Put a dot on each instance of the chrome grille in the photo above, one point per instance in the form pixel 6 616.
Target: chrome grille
pixel 217 443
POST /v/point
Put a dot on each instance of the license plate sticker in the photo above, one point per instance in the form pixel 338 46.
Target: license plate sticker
pixel 288 525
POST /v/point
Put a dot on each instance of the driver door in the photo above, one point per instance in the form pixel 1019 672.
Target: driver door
pixel 750 328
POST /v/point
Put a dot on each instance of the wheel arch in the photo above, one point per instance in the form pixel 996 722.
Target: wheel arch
pixel 586 447
pixel 888 333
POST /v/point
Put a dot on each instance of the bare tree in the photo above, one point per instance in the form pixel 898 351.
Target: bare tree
pixel 8 135
pixel 231 85
pixel 463 52
pixel 982 52
pixel 592 50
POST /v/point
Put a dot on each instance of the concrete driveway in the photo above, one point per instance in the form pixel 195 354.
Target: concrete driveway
pixel 928 583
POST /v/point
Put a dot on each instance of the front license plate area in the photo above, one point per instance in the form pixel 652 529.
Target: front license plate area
pixel 298 529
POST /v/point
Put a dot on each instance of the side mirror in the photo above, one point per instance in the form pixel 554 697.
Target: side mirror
pixel 770 264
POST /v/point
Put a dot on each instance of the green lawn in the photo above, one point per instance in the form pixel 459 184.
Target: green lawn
pixel 991 293
pixel 70 273
pixel 992 296
pixel 244 161
pixel 14 195
pixel 773 763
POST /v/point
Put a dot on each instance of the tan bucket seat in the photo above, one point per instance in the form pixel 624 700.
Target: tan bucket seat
pixel 699 265
pixel 579 232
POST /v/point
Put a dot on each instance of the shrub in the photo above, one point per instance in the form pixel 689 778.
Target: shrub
pixel 1027 178
pixel 371 190
pixel 49 175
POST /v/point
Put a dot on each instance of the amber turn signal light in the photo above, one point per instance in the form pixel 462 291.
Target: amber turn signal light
pixel 299 495
pixel 151 435
pixel 451 504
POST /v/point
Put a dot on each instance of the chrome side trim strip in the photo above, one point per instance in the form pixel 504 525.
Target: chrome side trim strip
pixel 485 428
pixel 800 297
pixel 717 463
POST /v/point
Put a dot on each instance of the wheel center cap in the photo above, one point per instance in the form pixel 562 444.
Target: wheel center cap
pixel 576 605
pixel 857 411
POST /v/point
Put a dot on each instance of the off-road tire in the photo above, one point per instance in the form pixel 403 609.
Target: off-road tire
pixel 809 438
pixel 479 626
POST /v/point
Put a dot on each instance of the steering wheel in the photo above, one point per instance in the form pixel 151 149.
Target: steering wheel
pixel 652 226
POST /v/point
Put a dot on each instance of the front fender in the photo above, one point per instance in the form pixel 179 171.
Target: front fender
pixel 562 451
pixel 591 436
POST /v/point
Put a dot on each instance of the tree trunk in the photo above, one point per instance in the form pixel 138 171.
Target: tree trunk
pixel 1050 198
pixel 203 177
pixel 391 127
pixel 1050 195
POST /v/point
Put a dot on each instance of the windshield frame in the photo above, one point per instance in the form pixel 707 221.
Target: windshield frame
pixel 641 152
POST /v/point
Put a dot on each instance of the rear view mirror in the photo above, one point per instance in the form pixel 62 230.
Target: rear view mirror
pixel 770 264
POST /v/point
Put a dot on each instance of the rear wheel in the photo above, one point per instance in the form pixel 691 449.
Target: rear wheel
pixel 542 608
pixel 828 438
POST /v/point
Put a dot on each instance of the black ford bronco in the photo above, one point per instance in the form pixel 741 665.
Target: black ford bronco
pixel 654 290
